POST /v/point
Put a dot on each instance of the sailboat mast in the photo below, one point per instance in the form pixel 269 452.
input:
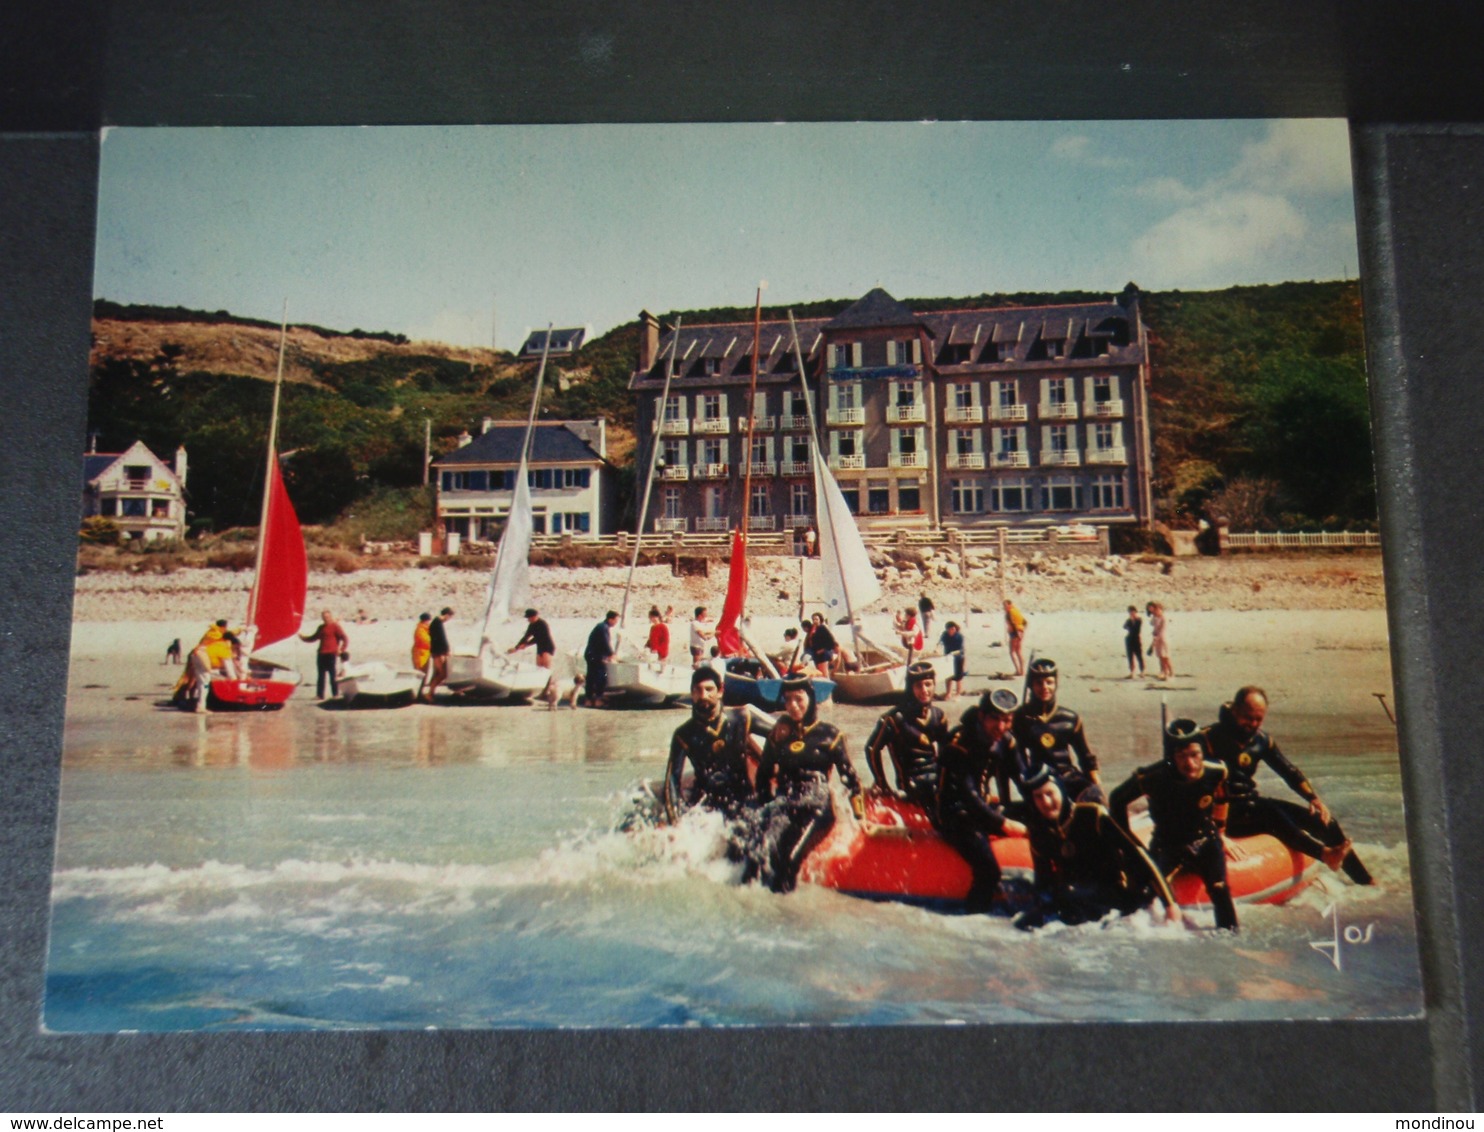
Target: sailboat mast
pixel 654 459
pixel 257 570
pixel 525 449
pixel 822 505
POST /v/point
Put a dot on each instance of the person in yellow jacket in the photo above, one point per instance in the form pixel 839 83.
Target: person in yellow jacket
pixel 422 642
pixel 218 642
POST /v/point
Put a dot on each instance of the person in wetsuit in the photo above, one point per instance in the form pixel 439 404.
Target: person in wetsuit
pixel 913 733
pixel 597 654
pixel 717 743
pixel 1238 740
pixel 793 786
pixel 973 778
pixel 537 633
pixel 1052 735
pixel 1188 802
pixel 1085 865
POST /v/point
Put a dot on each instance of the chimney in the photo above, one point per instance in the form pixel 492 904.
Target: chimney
pixel 489 423
pixel 649 340
pixel 464 438
pixel 602 445
pixel 180 465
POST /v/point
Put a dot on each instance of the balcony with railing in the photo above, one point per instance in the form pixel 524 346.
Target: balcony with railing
pixel 675 472
pixel 792 521
pixel 675 426
pixel 907 460
pixel 847 463
pixel 1011 460
pixel 795 423
pixel 712 424
pixel 1103 408
pixel 712 471
pixel 762 468
pixel 762 523
pixel 1007 412
pixel 1058 411
pixel 670 526
pixel 1061 457
pixel 966 460
pixel 1118 455
pixel 713 523
pixel 963 414
pixel 855 416
pixel 759 424
pixel 794 468
pixel 906 414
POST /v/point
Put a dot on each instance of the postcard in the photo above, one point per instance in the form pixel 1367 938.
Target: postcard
pixel 727 576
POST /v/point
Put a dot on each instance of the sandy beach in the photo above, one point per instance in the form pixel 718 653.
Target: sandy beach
pixel 1330 582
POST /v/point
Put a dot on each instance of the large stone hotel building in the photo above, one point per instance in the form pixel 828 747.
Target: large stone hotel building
pixel 964 418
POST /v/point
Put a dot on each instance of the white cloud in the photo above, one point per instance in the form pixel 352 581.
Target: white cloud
pixel 454 327
pixel 1254 211
pixel 1230 230
pixel 1077 148
pixel 1166 190
pixel 1298 155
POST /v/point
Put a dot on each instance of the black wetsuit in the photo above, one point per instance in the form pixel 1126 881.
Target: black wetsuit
pixel 1295 826
pixel 1050 735
pixel 538 633
pixel 913 734
pixel 793 783
pixel 1087 866
pixel 599 649
pixel 1133 642
pixel 1188 819
pixel 717 750
pixel 973 780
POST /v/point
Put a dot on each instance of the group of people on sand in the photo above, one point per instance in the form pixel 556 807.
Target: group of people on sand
pixel 772 786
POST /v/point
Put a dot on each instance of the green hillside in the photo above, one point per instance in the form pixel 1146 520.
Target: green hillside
pixel 1259 404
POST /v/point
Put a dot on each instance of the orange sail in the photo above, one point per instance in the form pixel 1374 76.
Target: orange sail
pixel 728 628
pixel 277 600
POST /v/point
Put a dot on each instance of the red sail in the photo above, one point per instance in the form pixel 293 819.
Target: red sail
pixel 728 632
pixel 283 573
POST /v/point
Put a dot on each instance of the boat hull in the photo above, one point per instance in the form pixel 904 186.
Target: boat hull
pixel 887 682
pixel 766 692
pixel 895 854
pixel 266 687
pixel 648 681
pixel 496 678
pixel 378 685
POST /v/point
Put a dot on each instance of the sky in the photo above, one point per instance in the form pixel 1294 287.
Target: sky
pixel 471 233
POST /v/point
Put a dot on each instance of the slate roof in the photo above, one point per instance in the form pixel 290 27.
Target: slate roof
pixel 564 340
pixel 552 443
pixel 1100 331
pixel 872 310
pixel 94 464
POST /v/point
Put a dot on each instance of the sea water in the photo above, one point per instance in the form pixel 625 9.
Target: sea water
pixel 466 867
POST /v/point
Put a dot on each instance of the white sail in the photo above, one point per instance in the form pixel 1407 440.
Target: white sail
pixel 845 567
pixel 509 584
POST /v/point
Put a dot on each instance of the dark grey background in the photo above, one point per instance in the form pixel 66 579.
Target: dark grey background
pixel 1403 73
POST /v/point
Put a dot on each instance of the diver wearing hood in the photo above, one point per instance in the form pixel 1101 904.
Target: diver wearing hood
pixel 1238 740
pixel 913 733
pixel 972 782
pixel 717 742
pixel 1052 735
pixel 1085 865
pixel 1188 802
pixel 793 783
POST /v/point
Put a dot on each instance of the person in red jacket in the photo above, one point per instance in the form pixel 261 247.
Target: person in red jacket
pixel 332 642
pixel 659 633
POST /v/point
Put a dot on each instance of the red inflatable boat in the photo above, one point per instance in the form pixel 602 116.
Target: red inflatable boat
pixel 895 854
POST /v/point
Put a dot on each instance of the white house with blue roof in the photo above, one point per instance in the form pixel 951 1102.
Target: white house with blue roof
pixel 137 490
pixel 570 479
